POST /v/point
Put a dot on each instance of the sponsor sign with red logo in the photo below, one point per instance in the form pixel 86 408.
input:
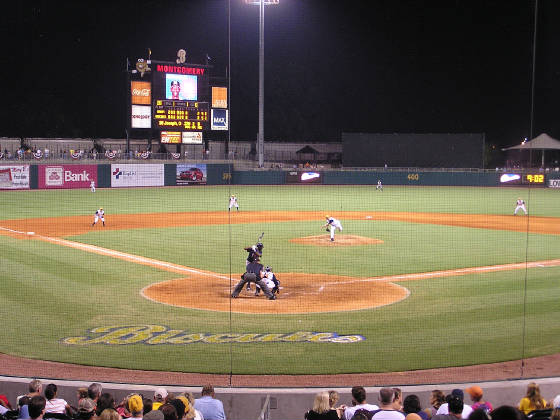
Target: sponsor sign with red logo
pixel 67 176
pixel 141 92
pixel 15 177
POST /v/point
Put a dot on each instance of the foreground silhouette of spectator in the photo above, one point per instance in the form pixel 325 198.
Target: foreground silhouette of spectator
pixel 169 412
pixel 34 388
pixel 321 408
pixel 411 404
pixel 532 399
pixel 105 400
pixel 455 408
pixel 358 402
pixel 479 414
pixel 507 412
pixel 209 407
pixel 555 408
pixel 110 414
pixel 467 410
pixel 386 409
pixel 37 407
pixel 437 398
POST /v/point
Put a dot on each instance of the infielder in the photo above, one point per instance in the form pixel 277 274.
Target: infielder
pixel 92 186
pixel 332 225
pixel 99 214
pixel 233 203
pixel 379 185
pixel 519 205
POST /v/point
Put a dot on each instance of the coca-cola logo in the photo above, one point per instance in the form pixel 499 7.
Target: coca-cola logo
pixel 141 92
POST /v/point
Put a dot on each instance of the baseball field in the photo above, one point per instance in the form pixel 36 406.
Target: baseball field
pixel 419 278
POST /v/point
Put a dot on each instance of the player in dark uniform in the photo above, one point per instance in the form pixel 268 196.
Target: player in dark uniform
pixel 255 254
pixel 254 272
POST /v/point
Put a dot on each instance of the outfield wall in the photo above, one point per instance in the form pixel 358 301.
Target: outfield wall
pixel 123 175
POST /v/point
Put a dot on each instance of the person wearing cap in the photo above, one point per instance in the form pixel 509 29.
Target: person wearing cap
pixel 160 395
pixel 444 408
pixel 86 409
pixel 475 392
pixel 455 409
pixel 332 225
pixel 209 407
pixel 135 407
pixel 99 214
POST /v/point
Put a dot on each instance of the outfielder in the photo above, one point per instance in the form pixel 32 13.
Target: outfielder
pixel 519 205
pixel 233 203
pixel 332 225
pixel 379 185
pixel 92 186
pixel 99 214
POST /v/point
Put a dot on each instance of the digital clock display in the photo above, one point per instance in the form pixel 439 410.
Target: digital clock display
pixel 533 179
pixel 181 115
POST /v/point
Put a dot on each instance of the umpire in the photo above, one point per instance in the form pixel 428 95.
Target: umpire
pixel 254 273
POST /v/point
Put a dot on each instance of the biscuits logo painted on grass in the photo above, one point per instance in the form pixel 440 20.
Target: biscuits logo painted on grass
pixel 159 334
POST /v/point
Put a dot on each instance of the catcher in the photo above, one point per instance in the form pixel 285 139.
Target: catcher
pixel 270 280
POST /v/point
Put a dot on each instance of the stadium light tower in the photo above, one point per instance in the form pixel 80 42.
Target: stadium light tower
pixel 260 135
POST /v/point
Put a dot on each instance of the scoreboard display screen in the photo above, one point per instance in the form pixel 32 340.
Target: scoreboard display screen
pixel 181 115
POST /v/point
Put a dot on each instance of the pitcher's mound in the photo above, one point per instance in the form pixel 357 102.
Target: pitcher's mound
pixel 339 240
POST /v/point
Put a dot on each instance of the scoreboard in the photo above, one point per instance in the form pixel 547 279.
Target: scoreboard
pixel 181 115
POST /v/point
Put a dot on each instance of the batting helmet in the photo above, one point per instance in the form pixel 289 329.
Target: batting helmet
pixel 260 245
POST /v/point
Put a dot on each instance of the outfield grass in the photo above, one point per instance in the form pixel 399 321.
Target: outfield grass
pixel 51 293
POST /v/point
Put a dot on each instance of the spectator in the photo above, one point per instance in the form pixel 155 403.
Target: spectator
pixel 413 416
pixel 476 394
pixel 180 407
pixel 209 407
pixel 333 400
pixel 358 401
pixel 37 407
pixel 154 415
pixel 148 405
pixel 53 404
pixel 397 399
pixel 467 410
pixel 86 409
pixel 361 414
pixel 169 412
pixel 479 414
pixel 507 412
pixel 193 413
pixel 82 393
pixel 94 392
pixel 34 388
pixel 135 407
pixel 532 399
pixel 386 409
pixel 411 404
pixel 555 409
pixel 455 408
pixel 160 395
pixel 110 414
pixel 321 408
pixel 437 398
pixel 105 400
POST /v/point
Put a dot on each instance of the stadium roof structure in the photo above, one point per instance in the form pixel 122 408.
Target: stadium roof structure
pixel 541 142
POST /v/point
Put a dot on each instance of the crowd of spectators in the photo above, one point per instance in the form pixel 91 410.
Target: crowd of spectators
pixel 94 404
pixel 392 406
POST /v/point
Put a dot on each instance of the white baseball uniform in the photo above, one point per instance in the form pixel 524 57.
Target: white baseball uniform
pixel 99 214
pixel 520 205
pixel 233 202
pixel 333 225
pixel 92 186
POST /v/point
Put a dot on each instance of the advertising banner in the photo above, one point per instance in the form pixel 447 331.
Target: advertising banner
pixel 192 137
pixel 141 116
pixel 67 176
pixel 14 177
pixel 554 183
pixel 137 175
pixel 141 93
pixel 191 174
pixel 296 177
pixel 220 119
pixel 219 97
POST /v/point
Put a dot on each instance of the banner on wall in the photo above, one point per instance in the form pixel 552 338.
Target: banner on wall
pixel 139 175
pixel 14 177
pixel 67 176
pixel 191 174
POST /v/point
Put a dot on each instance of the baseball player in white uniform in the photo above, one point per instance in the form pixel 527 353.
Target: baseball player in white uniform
pixel 332 225
pixel 233 203
pixel 92 186
pixel 520 205
pixel 379 185
pixel 99 214
pixel 270 280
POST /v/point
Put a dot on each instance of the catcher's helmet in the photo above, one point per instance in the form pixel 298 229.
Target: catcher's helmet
pixel 267 268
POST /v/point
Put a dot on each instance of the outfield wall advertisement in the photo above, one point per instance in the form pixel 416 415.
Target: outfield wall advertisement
pixel 14 177
pixel 137 175
pixel 67 176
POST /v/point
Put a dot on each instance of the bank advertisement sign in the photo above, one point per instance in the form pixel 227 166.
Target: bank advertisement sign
pixel 220 119
pixel 137 175
pixel 67 176
pixel 15 177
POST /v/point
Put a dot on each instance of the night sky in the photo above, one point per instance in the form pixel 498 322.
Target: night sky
pixel 330 66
